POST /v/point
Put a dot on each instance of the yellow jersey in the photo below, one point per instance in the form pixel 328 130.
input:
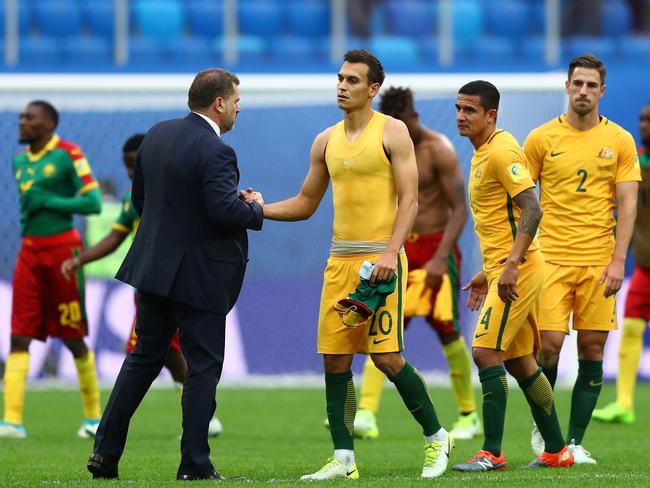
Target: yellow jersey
pixel 578 172
pixel 363 187
pixel 497 174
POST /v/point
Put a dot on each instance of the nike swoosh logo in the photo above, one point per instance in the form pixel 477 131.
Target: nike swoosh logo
pixel 553 154
pixel 375 341
pixel 593 383
pixel 351 472
pixel 480 335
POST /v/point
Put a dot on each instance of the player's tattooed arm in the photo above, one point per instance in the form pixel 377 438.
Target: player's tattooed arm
pixel 531 212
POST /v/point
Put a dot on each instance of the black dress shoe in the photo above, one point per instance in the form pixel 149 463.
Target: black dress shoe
pixel 102 468
pixel 194 477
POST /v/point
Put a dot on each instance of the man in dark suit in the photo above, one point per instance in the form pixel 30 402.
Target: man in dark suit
pixel 187 261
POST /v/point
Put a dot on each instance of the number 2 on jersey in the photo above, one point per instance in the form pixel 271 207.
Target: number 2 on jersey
pixel 583 178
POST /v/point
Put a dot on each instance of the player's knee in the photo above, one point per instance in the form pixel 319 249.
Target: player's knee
pixel 388 363
pixel 633 327
pixel 593 351
pixel 485 358
pixel 77 347
pixel 19 343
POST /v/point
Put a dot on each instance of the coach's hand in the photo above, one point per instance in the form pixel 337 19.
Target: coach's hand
pixel 613 276
pixel 508 282
pixel 251 196
pixel 478 289
pixel 385 268
pixel 69 267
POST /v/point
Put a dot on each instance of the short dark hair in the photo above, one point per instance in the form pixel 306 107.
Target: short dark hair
pixel 396 100
pixel 375 69
pixel 487 92
pixel 588 61
pixel 210 84
pixel 48 109
pixel 133 143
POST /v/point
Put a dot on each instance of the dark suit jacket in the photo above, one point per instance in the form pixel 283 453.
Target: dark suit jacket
pixel 191 245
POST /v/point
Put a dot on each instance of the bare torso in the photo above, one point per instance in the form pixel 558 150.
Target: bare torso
pixel 433 203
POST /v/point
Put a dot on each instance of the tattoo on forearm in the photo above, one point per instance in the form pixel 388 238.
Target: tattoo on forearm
pixel 531 212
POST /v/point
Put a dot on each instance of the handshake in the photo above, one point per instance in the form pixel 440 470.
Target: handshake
pixel 251 196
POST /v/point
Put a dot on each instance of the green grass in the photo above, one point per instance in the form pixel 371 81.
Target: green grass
pixel 277 435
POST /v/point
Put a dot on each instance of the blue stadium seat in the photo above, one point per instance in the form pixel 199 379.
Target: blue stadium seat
pixel 86 50
pixel 415 18
pixel 38 50
pixel 159 19
pixel 488 50
pixel 507 18
pixel 99 17
pixel 636 48
pixel 260 18
pixel 533 49
pixel 429 50
pixel 189 49
pixel 467 22
pixel 145 51
pixel 58 18
pixel 308 18
pixel 602 47
pixel 251 48
pixel 537 17
pixel 394 50
pixel 205 18
pixel 293 48
pixel 616 18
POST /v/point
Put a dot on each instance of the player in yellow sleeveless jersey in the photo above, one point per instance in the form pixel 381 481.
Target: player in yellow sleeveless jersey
pixel 506 216
pixel 370 160
pixel 587 168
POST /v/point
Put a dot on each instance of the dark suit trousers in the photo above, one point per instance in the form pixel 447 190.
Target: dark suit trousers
pixel 202 336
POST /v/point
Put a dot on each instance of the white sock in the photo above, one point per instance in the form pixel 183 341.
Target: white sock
pixel 438 436
pixel 345 456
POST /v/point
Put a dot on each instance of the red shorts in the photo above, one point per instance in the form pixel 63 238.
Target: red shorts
pixel 419 250
pixel 637 303
pixel 44 302
pixel 133 339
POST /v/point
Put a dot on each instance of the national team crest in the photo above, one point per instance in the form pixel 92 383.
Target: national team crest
pixel 49 170
pixel 606 153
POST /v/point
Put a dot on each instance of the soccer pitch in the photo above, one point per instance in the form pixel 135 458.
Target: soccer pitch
pixel 273 436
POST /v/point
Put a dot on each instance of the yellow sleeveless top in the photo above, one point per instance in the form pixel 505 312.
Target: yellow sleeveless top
pixel 365 201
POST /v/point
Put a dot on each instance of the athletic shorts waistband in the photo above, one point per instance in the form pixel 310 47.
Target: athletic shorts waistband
pixel 62 238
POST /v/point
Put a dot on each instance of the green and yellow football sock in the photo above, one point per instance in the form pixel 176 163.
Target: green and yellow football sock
pixel 495 399
pixel 414 393
pixel 585 395
pixel 628 361
pixel 88 385
pixel 460 374
pixel 539 394
pixel 372 386
pixel 551 375
pixel 15 378
pixel 341 408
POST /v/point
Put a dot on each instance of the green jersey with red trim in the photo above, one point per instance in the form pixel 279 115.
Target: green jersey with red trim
pixel 58 172
pixel 128 219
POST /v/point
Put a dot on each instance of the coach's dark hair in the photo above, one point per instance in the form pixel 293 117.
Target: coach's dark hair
pixel 395 101
pixel 375 69
pixel 48 109
pixel 588 61
pixel 485 90
pixel 210 84
pixel 133 143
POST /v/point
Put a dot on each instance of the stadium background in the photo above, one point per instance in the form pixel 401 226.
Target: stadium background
pixel 433 46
